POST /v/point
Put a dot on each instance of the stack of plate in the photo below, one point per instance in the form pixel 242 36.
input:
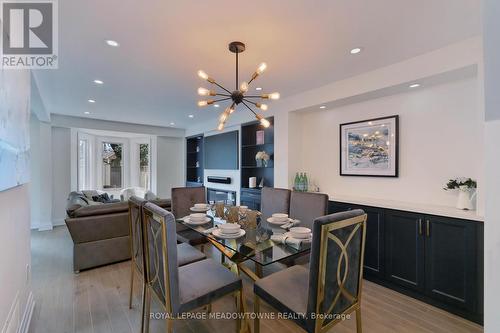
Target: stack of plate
pixel 197 218
pixel 200 207
pixel 278 219
pixel 229 230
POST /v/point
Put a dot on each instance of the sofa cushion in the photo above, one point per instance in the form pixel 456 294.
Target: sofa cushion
pixel 102 209
pixel 98 227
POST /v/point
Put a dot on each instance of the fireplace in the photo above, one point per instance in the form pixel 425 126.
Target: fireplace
pixel 214 194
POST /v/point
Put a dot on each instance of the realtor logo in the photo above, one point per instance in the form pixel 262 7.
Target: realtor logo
pixel 29 34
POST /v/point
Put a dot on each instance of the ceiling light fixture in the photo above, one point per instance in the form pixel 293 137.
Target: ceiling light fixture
pixel 216 105
pixel 91 101
pixel 172 124
pixel 355 50
pixel 258 88
pixel 238 95
pixel 99 82
pixel 322 107
pixel 191 116
pixel 87 112
pixel 112 43
pixel 414 85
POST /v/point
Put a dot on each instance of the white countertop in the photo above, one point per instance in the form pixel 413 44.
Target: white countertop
pixel 411 207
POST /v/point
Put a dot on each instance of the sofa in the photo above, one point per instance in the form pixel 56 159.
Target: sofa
pixel 100 230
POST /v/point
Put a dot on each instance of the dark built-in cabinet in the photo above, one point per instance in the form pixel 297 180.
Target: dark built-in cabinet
pixel 194 161
pixel 436 259
pixel 249 147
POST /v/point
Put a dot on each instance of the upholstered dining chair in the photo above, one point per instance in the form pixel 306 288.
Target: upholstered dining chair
pixel 185 252
pixel 307 206
pixel 274 200
pixel 181 289
pixel 183 198
pixel 331 288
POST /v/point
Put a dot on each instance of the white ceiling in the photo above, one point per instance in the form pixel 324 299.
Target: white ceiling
pixel 151 78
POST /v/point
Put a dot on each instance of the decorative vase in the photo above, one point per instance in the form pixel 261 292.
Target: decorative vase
pixel 264 163
pixel 259 162
pixel 466 198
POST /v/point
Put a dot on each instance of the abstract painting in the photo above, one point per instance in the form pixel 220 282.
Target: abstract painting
pixel 370 147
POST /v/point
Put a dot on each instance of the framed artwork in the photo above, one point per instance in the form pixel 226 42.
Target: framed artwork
pixel 259 137
pixel 370 147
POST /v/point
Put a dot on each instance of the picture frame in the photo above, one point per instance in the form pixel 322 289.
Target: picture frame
pixel 370 148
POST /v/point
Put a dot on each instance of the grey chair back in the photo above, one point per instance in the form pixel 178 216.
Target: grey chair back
pixel 336 266
pixel 161 256
pixel 307 206
pixel 184 198
pixel 274 200
pixel 135 205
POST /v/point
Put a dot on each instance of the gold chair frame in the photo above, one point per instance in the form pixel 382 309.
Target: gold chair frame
pixel 360 222
pixel 167 305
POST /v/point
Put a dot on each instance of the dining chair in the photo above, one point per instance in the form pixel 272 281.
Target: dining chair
pixel 183 198
pixel 185 252
pixel 274 200
pixel 181 289
pixel 307 206
pixel 320 297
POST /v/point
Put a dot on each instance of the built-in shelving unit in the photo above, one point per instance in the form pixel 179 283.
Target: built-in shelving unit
pixel 194 160
pixel 249 167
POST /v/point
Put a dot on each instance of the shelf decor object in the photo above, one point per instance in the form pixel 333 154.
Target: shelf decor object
pixel 466 192
pixel 239 95
pixel 370 147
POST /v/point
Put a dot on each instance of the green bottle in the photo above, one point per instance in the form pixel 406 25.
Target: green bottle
pixel 306 183
pixel 296 182
pixel 301 182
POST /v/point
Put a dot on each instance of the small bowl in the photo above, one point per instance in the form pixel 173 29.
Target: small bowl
pixel 300 232
pixel 197 216
pixel 200 205
pixel 230 228
pixel 278 217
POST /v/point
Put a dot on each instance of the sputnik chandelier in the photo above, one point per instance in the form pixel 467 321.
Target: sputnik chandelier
pixel 238 95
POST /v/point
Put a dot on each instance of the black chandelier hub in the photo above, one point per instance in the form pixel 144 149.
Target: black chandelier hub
pixel 237 97
pixel 236 47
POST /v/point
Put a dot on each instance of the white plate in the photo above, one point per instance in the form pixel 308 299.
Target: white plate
pixel 217 233
pixel 199 210
pixel 305 240
pixel 272 221
pixel 188 221
pixel 300 232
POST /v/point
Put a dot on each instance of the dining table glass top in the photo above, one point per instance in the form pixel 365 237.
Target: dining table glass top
pixel 255 245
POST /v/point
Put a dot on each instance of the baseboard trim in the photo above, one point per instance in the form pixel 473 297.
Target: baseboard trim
pixel 45 227
pixel 59 222
pixel 28 313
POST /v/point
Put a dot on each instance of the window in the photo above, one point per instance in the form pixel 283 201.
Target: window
pixel 112 165
pixel 83 165
pixel 144 162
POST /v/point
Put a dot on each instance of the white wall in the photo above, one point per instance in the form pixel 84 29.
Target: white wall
pixel 61 172
pixel 171 165
pixel 440 138
pixel 491 37
pixel 15 259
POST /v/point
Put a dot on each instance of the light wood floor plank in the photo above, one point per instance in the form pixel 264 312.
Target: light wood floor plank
pixel 96 301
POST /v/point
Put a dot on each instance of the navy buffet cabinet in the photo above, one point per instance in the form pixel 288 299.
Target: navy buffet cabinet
pixel 438 260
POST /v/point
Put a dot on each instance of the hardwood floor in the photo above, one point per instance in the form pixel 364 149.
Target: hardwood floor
pixel 96 301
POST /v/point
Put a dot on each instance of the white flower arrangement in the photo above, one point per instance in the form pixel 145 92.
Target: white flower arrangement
pixel 262 155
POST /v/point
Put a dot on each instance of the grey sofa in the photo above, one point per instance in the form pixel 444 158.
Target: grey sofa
pixel 100 232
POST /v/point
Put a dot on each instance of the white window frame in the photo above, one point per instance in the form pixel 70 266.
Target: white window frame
pixel 125 161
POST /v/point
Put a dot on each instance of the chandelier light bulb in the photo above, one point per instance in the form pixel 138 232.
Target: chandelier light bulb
pixel 229 110
pixel 202 75
pixel 274 96
pixel 263 107
pixel 263 121
pixel 220 127
pixel 202 103
pixel 223 116
pixel 203 92
pixel 244 87
pixel 262 68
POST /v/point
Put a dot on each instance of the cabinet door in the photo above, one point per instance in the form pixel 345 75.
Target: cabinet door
pixel 374 246
pixel 450 259
pixel 405 249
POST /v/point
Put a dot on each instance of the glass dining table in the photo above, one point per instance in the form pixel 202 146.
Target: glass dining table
pixel 256 245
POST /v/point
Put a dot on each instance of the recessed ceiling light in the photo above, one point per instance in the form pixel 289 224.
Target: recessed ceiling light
pixel 113 43
pixel 216 105
pixel 322 107
pixel 98 82
pixel 414 85
pixel 258 88
pixel 355 50
pixel 86 112
pixel 91 100
pixel 172 124
pixel 191 116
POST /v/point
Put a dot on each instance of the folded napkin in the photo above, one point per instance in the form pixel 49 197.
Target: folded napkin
pixel 290 241
pixel 290 224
